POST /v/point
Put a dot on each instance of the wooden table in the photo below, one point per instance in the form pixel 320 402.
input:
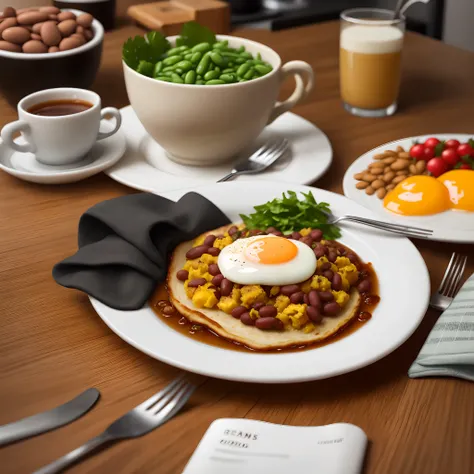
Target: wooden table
pixel 53 344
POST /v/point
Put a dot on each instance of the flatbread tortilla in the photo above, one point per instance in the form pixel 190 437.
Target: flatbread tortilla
pixel 232 329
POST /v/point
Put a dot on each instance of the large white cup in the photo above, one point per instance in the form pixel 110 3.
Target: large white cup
pixel 204 125
pixel 62 139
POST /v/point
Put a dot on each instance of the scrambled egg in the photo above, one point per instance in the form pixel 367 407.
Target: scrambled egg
pixel 228 303
pixel 281 302
pixel 224 242
pixel 251 294
pixel 320 283
pixel 204 297
pixel 297 315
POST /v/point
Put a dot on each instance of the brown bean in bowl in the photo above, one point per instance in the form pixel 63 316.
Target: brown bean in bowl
pixel 51 56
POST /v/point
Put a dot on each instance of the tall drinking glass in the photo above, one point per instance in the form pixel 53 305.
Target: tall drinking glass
pixel 370 52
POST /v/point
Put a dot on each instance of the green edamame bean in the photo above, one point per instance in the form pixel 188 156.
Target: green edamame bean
pixel 242 69
pixel 188 56
pixel 217 69
pixel 146 68
pixel 178 70
pixel 246 55
pixel 249 74
pixel 214 82
pixel 190 77
pixel 196 57
pixel 259 56
pixel 231 64
pixel 228 78
pixel 177 50
pixel 169 61
pixel 211 75
pixel 229 54
pixel 240 61
pixel 200 82
pixel 241 49
pixel 184 65
pixel 158 68
pixel 261 69
pixel 216 58
pixel 203 65
pixel 201 48
pixel 228 70
pixel 164 78
pixel 176 79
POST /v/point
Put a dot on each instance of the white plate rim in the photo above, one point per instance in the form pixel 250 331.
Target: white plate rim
pixel 350 191
pixel 258 375
pixel 169 182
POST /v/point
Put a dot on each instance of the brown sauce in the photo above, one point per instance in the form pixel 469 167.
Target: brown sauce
pixel 186 328
pixel 57 108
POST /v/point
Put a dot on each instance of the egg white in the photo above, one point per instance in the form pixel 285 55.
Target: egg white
pixel 236 267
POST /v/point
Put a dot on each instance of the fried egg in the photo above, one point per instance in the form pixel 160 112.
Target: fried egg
pixel 418 196
pixel 460 185
pixel 267 260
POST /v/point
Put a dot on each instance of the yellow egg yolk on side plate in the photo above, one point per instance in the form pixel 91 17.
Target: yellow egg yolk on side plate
pixel 418 195
pixel 460 186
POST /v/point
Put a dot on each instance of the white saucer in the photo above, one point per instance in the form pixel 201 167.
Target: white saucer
pixel 145 165
pixel 24 165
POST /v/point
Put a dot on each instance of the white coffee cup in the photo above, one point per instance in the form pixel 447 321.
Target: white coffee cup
pixel 62 139
pixel 206 125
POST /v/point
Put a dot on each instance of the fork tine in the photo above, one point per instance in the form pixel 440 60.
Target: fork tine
pixel 447 274
pixel 147 404
pixel 458 286
pixel 163 401
pixel 276 153
pixel 177 402
pixel 271 147
pixel 457 273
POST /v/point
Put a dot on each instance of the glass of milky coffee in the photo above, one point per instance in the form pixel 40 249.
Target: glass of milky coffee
pixel 370 61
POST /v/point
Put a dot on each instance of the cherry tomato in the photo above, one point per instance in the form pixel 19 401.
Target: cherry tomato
pixel 465 166
pixel 452 144
pixel 416 151
pixel 437 166
pixel 428 153
pixel 464 149
pixel 450 156
pixel 431 142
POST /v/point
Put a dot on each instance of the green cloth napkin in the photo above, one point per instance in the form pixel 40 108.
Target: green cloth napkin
pixel 449 349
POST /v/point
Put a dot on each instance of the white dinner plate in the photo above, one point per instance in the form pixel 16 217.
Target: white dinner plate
pixel 146 166
pixel 404 291
pixel 449 226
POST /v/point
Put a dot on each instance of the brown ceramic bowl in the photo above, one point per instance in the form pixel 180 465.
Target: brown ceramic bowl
pixel 21 73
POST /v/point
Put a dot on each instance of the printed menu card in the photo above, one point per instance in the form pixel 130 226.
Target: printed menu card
pixel 240 446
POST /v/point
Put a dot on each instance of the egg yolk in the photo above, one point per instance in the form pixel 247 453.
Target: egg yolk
pixel 418 196
pixel 460 185
pixel 271 250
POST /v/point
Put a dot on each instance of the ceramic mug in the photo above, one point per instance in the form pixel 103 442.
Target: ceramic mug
pixel 206 125
pixel 62 139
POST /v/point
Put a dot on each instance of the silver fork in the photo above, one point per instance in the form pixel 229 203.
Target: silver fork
pixel 262 159
pixel 407 231
pixel 147 416
pixel 450 284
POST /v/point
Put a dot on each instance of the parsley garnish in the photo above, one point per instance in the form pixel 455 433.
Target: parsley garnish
pixel 193 33
pixel 289 213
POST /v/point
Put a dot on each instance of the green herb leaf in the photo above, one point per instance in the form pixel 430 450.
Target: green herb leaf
pixel 439 148
pixel 471 142
pixel 149 48
pixel 289 214
pixel 193 33
pixel 468 159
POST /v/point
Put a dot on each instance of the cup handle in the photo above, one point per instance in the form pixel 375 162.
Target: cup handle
pixel 11 129
pixel 118 121
pixel 299 69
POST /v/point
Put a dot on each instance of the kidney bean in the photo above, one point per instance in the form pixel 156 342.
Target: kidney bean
pixel 296 235
pixel 254 232
pixel 271 230
pixel 307 240
pixel 305 299
pixel 268 311
pixel 195 282
pixel 314 299
pixel 218 293
pixel 289 289
pixel 277 324
pixel 217 280
pixel 239 311
pixel 267 289
pixel 342 251
pixel 325 266
pixel 214 251
pixel 352 257
pixel 169 310
pixel 316 234
pixel 337 282
pixel 363 274
pixel 364 286
pixel 320 250
pixel 326 296
pixel 265 323
pixel 329 274
pixel 182 275
pixel 246 319
pixel 209 240
pixel 258 305
pixel 232 230
pixel 214 269
pixel 314 314
pixel 331 309
pixel 197 252
pixel 226 287
pixel 297 297
pixel 332 255
pixel 277 233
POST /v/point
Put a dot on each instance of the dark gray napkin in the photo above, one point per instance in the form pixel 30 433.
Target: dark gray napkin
pixel 124 244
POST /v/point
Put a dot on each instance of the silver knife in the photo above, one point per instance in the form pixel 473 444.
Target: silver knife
pixel 49 420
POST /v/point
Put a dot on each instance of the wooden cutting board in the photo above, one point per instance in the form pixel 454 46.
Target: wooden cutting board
pixel 170 15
